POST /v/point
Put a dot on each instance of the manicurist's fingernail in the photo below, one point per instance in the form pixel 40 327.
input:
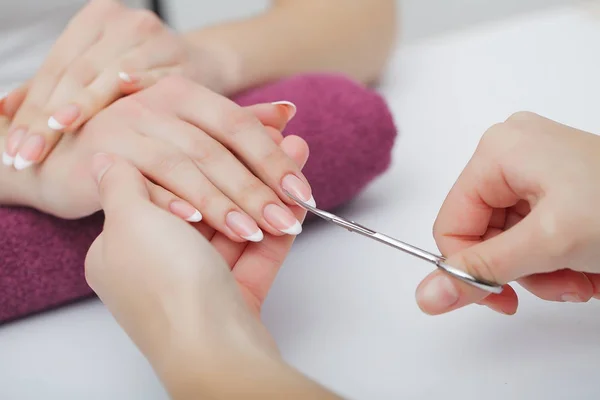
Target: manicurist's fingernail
pixel 571 298
pixel 438 294
pixel 282 220
pixel 64 117
pixel 290 108
pixel 244 226
pixel 30 152
pixel 298 188
pixel 100 164
pixel 185 210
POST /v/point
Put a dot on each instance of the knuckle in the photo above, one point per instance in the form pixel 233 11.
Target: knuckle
pixel 127 107
pixel 254 192
pixel 100 8
pixel 202 153
pixel 168 163
pixel 522 117
pixel 145 22
pixel 560 233
pixel 174 84
pixel 83 71
pixel 492 135
pixel 239 121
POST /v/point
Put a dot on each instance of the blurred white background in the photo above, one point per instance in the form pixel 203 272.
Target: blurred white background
pixel 419 18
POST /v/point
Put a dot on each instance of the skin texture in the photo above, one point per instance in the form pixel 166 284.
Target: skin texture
pixel 525 210
pixel 108 51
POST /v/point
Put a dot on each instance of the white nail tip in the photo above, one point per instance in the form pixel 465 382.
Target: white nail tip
pixel 21 163
pixel 293 230
pixel 196 217
pixel 311 202
pixel 255 237
pixel 124 77
pixel 7 160
pixel 55 125
pixel 3 95
pixel 284 102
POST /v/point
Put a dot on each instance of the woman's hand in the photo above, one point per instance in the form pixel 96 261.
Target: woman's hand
pixel 524 209
pixel 188 308
pixel 107 51
pixel 191 144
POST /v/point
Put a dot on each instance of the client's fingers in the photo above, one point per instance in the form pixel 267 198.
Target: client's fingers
pixel 255 265
pixel 11 101
pixel 168 201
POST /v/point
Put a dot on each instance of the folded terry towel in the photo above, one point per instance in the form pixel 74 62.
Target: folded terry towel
pixel 350 132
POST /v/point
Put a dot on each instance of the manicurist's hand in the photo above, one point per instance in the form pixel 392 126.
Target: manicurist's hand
pixel 189 300
pixel 524 209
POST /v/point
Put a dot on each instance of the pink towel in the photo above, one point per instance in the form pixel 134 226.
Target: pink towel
pixel 350 133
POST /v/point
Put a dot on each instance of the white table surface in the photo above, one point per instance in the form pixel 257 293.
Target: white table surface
pixel 342 308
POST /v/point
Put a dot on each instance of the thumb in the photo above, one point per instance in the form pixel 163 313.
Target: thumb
pixel 121 187
pixel 513 254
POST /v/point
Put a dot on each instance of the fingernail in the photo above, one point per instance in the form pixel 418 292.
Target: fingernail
pixel 244 226
pixel 571 298
pixel 282 220
pixel 100 164
pixel 7 160
pixel 125 77
pixel 295 186
pixel 498 309
pixel 13 140
pixel 29 152
pixel 185 210
pixel 290 108
pixel 3 95
pixel 438 294
pixel 64 117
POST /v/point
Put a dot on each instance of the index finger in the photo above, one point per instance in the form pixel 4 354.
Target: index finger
pixel 473 208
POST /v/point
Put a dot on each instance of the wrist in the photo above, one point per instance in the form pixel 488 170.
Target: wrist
pixel 216 65
pixel 237 360
pixel 228 374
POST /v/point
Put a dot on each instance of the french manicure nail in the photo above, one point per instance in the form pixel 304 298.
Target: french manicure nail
pixel 438 294
pixel 64 117
pixel 282 220
pixel 29 152
pixel 13 140
pixel 571 298
pixel 3 95
pixel 7 160
pixel 295 186
pixel 289 106
pixel 244 226
pixel 125 77
pixel 185 211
